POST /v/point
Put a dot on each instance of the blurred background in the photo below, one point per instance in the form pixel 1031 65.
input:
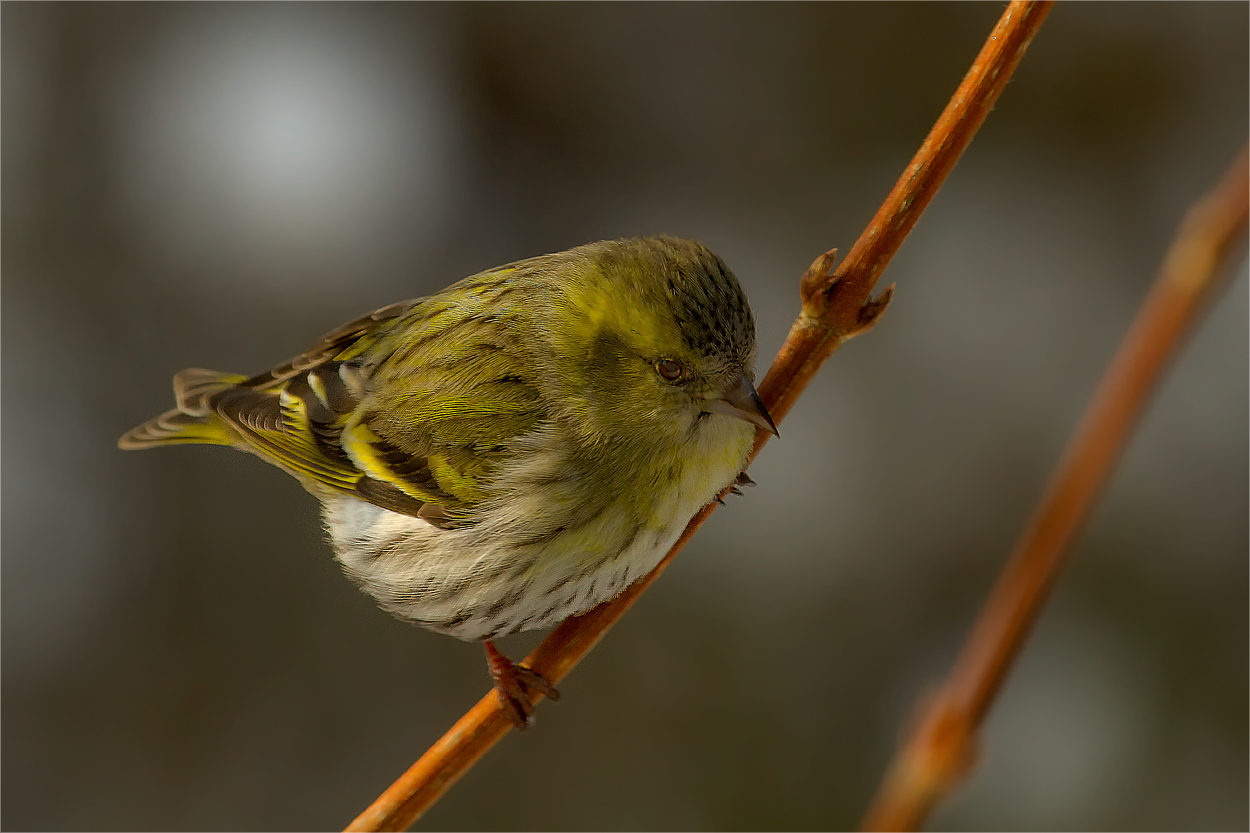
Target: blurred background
pixel 217 185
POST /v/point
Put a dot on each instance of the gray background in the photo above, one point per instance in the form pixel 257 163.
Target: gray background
pixel 217 185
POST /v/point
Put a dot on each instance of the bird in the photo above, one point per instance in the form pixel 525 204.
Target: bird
pixel 515 449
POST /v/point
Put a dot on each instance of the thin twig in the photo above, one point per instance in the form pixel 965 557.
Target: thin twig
pixel 836 306
pixel 942 747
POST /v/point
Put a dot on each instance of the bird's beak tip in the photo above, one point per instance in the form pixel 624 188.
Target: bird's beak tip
pixel 743 402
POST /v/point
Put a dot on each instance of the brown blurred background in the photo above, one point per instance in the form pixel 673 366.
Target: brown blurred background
pixel 217 185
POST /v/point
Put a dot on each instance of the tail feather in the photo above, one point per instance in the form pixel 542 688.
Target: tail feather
pixel 193 421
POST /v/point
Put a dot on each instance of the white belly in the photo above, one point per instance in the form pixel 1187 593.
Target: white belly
pixel 542 554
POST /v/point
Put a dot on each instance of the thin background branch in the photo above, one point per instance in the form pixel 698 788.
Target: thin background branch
pixel 943 745
pixel 836 306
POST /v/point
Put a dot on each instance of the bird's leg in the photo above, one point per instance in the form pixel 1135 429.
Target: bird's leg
pixel 511 681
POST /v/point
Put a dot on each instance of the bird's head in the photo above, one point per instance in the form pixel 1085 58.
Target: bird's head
pixel 651 340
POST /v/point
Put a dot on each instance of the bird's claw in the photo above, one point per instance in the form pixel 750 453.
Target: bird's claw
pixel 513 684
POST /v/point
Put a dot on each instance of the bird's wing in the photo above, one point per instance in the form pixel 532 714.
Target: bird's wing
pixel 410 408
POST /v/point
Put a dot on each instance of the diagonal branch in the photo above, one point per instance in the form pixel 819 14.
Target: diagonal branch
pixel 836 306
pixel 942 747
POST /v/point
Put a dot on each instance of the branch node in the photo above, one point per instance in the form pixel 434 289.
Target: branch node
pixel 815 283
pixel 950 746
pixel 870 312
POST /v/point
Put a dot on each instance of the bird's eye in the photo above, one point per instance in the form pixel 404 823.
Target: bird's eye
pixel 670 370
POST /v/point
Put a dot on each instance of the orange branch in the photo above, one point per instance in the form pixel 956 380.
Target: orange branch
pixel 943 745
pixel 836 306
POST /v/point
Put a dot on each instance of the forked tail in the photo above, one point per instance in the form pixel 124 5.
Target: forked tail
pixel 193 421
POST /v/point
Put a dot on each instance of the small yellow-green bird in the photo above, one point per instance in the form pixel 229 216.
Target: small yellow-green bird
pixel 514 449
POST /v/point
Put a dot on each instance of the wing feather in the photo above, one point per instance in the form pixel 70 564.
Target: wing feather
pixel 411 407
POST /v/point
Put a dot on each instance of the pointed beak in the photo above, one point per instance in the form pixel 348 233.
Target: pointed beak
pixel 742 402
